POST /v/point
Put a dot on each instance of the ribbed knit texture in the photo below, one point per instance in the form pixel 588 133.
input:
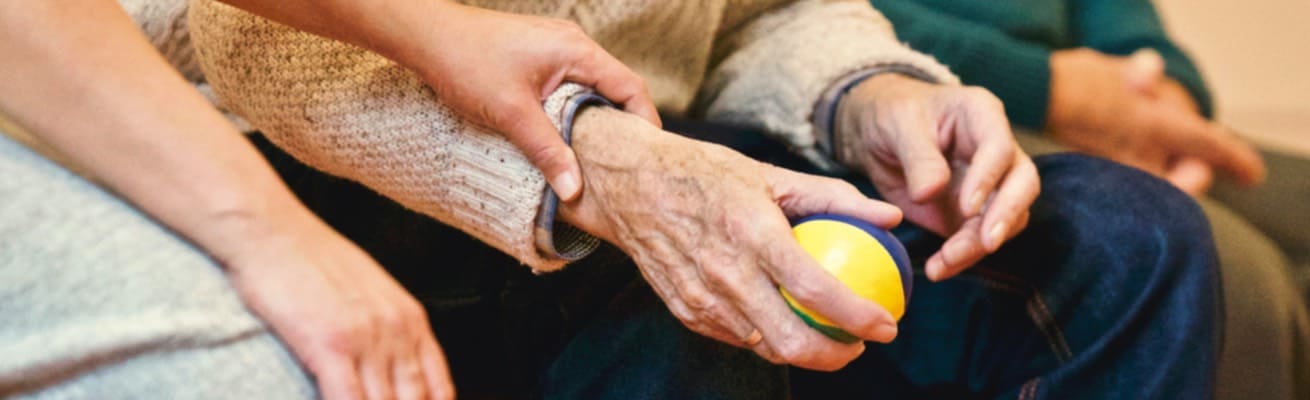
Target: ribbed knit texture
pixel 357 115
pixel 354 114
pixel 1005 46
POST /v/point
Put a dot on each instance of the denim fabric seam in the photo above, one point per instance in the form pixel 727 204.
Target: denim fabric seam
pixel 1038 312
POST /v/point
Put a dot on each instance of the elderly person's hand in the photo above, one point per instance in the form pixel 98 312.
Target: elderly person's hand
pixel 946 156
pixel 481 64
pixel 708 229
pixel 1125 109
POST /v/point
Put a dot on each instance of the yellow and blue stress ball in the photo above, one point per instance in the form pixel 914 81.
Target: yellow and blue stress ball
pixel 866 258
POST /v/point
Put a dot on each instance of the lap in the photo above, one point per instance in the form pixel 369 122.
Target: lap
pixel 101 301
pixel 1267 327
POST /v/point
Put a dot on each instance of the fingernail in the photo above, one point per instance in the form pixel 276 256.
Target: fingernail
pixel 975 203
pixel 933 269
pixel 996 236
pixel 565 185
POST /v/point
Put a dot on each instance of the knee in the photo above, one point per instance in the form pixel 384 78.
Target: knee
pixel 1133 232
pixel 1121 207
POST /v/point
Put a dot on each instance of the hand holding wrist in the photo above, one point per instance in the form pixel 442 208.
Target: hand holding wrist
pixel 708 228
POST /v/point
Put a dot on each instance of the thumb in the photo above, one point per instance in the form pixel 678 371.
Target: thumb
pixel 1143 70
pixel 542 144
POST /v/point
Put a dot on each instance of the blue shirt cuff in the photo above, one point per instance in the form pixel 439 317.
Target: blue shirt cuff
pixel 825 112
pixel 554 238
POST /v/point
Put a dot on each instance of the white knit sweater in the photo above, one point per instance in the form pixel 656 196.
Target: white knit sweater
pixel 357 115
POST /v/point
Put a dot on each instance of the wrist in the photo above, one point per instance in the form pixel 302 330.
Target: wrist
pixel 613 149
pixel 251 226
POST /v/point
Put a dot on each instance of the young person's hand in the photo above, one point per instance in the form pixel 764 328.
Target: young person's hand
pixel 946 156
pixel 1125 109
pixel 708 228
pixel 500 66
pixel 96 92
pixel 351 325
pixel 492 68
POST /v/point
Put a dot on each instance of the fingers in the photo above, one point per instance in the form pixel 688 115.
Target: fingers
pixel 926 171
pixel 1017 193
pixel 375 374
pixel 787 340
pixel 792 268
pixel 435 371
pixel 994 157
pixel 338 379
pixel 801 195
pixel 959 252
pixel 407 373
pixel 534 135
pixel 1189 135
pixel 616 82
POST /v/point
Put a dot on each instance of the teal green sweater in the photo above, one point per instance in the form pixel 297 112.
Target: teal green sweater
pixel 1005 45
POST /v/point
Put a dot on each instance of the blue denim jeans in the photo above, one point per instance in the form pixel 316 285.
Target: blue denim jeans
pixel 1112 292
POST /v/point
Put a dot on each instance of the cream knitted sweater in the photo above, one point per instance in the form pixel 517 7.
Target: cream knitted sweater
pixel 357 115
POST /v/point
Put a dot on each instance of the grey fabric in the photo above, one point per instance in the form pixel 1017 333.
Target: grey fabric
pixel 1266 352
pixel 1280 208
pixel 97 301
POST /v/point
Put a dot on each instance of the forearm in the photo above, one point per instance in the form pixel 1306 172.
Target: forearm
pixel 386 27
pixel 82 79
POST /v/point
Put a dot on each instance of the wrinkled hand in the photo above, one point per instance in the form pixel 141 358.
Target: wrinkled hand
pixel 946 156
pixel 1125 109
pixel 349 323
pixel 708 229
pixel 495 68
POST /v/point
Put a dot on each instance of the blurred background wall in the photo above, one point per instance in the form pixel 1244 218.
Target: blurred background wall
pixel 1256 58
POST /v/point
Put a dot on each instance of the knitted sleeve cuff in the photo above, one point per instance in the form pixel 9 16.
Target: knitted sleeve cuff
pixel 360 116
pixel 565 241
pixel 784 60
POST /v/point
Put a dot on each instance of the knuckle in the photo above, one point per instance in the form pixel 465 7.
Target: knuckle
pixel 340 338
pixel 792 351
pixel 390 319
pixel 698 300
pixel 805 291
pixel 503 111
pixel 688 318
pixel 841 186
pixel 723 276
pixel 414 312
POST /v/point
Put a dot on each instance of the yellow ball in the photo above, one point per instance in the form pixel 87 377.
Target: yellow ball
pixel 868 259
